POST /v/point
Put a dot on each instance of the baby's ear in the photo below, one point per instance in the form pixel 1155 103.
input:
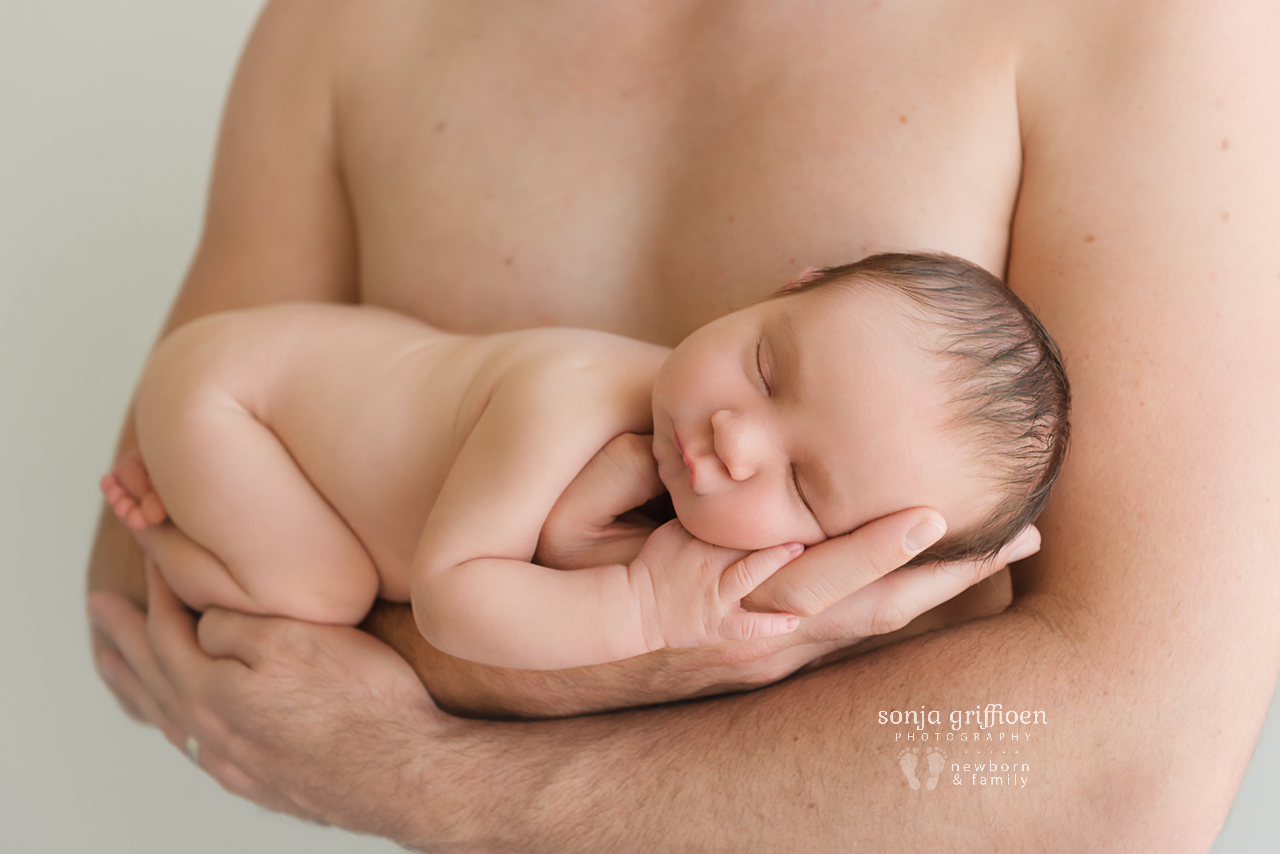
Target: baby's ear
pixel 804 278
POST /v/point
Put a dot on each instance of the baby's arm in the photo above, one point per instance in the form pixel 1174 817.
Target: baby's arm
pixel 475 593
pixel 511 613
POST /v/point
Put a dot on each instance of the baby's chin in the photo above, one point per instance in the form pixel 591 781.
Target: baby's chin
pixel 721 535
pixel 738 533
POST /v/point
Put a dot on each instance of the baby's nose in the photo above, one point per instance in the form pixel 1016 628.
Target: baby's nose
pixel 737 443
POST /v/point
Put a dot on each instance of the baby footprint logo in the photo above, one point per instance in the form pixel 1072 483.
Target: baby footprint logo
pixel 907 759
pixel 936 760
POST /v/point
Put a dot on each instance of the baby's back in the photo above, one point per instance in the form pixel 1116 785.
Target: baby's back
pixel 373 406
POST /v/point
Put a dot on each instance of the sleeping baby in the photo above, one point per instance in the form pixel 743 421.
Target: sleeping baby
pixel 301 460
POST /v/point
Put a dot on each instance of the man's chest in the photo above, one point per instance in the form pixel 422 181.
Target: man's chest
pixel 645 172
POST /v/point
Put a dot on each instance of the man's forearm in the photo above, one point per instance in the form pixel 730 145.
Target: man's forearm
pixel 115 561
pixel 808 765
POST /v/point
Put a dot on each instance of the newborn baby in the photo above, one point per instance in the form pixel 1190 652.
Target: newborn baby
pixel 301 460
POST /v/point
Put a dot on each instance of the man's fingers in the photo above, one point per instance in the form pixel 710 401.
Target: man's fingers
pixel 746 625
pixel 231 634
pixel 236 782
pixel 1021 547
pixel 125 625
pixel 171 630
pixel 122 678
pixel 106 659
pixel 131 667
pixel 898 598
pixel 832 570
pixel 921 588
pixel 747 574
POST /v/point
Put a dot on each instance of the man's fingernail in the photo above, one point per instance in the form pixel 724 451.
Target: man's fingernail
pixel 1024 549
pixel 924 534
pixel 794 549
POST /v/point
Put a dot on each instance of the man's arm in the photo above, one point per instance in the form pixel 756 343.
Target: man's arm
pixel 277 227
pixel 1143 632
pixel 1145 237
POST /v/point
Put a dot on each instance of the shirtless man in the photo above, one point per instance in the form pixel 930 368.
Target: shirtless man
pixel 644 168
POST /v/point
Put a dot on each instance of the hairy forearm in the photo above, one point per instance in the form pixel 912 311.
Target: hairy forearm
pixel 806 765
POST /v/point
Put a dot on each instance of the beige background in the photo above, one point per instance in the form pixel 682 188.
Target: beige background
pixel 107 120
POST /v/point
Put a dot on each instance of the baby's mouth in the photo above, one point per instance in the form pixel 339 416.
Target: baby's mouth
pixel 684 457
pixel 675 438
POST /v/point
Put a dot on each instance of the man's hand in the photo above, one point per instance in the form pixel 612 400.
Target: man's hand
pixel 286 714
pixel 690 592
pixel 853 587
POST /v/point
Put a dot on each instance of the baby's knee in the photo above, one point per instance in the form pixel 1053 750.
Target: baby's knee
pixel 338 602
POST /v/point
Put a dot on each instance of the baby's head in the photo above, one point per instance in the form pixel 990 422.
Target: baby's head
pixel 899 381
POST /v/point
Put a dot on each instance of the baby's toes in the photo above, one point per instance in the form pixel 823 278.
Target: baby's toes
pixel 111 489
pixel 119 500
pixel 132 474
pixel 151 509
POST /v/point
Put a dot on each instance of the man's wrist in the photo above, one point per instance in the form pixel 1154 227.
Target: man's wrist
pixel 473 782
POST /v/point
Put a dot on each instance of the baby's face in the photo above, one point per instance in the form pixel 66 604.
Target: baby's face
pixel 802 418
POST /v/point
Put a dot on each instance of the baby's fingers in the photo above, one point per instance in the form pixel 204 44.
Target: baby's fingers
pixel 747 574
pixel 748 625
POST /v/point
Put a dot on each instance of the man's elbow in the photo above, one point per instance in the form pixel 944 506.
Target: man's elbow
pixel 1167 801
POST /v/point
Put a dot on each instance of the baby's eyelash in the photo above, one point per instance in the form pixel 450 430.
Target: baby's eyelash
pixel 795 484
pixel 760 371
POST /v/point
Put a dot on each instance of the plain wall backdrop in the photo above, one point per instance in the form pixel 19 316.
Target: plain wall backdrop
pixel 107 120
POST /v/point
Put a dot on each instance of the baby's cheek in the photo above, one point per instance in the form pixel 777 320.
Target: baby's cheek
pixel 735 526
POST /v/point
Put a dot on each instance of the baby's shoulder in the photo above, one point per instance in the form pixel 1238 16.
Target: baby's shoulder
pixel 568 371
pixel 578 355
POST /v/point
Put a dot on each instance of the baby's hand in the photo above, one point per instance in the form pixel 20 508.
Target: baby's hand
pixel 589 524
pixel 690 592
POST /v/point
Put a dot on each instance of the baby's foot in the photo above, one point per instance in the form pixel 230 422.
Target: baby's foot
pixel 937 761
pixel 129 491
pixel 907 761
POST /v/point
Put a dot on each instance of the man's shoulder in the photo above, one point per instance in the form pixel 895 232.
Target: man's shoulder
pixel 1157 44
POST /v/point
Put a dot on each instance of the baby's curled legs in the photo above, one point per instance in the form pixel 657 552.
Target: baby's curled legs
pixel 247 529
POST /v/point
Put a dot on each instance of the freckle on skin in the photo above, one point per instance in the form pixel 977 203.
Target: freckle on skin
pixel 1226 143
pixel 507 260
pixel 1089 238
pixel 440 126
pixel 1226 215
pixel 902 119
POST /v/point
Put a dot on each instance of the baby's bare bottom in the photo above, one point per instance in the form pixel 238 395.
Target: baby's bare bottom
pixel 246 528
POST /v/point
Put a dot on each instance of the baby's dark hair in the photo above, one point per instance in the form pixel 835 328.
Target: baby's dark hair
pixel 1011 392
